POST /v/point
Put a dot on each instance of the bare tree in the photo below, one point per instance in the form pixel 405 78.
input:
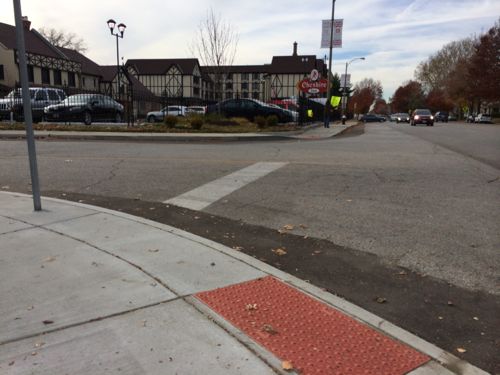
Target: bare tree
pixel 375 87
pixel 215 45
pixel 437 70
pixel 60 38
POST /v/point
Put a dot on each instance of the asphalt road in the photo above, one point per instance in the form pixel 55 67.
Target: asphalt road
pixel 406 214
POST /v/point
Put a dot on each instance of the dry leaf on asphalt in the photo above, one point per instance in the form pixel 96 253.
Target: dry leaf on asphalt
pixel 279 252
pixel 461 350
pixel 288 227
pixel 303 226
pixel 381 300
pixel 287 365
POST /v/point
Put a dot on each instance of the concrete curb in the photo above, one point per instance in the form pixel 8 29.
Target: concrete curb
pixel 166 137
pixel 446 359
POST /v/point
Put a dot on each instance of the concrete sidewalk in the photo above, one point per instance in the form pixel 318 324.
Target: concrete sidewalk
pixel 84 290
pixel 311 132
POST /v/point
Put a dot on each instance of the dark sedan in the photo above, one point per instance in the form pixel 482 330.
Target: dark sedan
pixel 85 108
pixel 250 108
pixel 372 118
pixel 422 116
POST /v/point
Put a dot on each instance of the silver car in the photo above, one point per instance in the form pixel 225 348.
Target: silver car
pixel 172 110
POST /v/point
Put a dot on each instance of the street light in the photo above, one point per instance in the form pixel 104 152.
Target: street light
pixel 344 91
pixel 121 29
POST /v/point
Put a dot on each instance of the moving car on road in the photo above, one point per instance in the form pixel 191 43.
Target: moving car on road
pixel 85 108
pixel 422 116
pixel 250 108
pixel 369 117
pixel 402 117
pixel 171 110
pixel 441 116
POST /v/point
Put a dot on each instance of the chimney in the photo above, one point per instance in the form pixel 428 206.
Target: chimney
pixel 294 49
pixel 26 23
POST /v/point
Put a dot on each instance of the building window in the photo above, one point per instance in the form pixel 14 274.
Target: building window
pixel 31 75
pixel 57 77
pixel 83 81
pixel 2 77
pixel 229 94
pixel 71 79
pixel 256 76
pixel 244 86
pixel 244 94
pixel 196 80
pixel 95 83
pixel 244 76
pixel 196 91
pixel 229 86
pixel 256 86
pixel 255 95
pixel 46 76
pixel 230 76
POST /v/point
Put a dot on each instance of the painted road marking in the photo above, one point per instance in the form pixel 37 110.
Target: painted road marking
pixel 204 196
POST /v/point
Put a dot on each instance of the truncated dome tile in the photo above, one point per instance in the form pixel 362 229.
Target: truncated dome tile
pixel 314 337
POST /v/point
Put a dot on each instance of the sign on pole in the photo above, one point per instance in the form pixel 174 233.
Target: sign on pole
pixel 337 33
pixel 345 81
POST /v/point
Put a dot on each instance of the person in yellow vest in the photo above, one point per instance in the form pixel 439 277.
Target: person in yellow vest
pixel 310 113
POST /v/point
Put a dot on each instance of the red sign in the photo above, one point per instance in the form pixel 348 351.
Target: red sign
pixel 313 87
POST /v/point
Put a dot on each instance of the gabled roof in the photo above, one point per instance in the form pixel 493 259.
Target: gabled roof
pixel 295 64
pixel 88 66
pixel 161 66
pixel 108 73
pixel 33 40
pixel 236 69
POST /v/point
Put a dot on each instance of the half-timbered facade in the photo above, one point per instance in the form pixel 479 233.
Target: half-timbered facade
pixel 47 65
pixel 169 78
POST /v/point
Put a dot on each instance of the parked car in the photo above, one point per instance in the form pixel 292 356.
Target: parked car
pixel 452 117
pixel 402 117
pixel 199 110
pixel 483 118
pixel 370 117
pixel 171 110
pixel 250 108
pixel 85 108
pixel 294 114
pixel 40 97
pixel 471 117
pixel 441 116
pixel 422 116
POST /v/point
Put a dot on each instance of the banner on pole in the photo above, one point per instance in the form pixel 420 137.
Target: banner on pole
pixel 345 81
pixel 337 33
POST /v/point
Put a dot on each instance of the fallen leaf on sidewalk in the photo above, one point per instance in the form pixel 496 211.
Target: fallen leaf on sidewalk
pixel 279 252
pixel 39 344
pixel 269 329
pixel 49 259
pixel 461 350
pixel 287 365
pixel 30 308
pixel 303 226
pixel 237 248
pixel 288 227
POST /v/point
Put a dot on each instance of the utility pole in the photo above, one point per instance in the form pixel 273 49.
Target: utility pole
pixel 28 119
pixel 329 93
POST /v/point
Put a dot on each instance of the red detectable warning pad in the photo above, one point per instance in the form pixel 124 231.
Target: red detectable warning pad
pixel 314 337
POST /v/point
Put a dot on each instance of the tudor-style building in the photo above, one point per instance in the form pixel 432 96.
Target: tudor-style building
pixel 47 65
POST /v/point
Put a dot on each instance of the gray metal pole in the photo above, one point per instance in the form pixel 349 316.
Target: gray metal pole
pixel 23 72
pixel 329 92
pixel 344 93
pixel 118 69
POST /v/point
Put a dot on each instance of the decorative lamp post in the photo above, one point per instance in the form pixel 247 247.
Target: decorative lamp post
pixel 344 91
pixel 121 29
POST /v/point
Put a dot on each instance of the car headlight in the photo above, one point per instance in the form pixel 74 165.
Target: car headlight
pixel 416 117
pixel 432 117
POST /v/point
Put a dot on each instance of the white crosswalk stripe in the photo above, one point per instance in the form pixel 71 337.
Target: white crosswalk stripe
pixel 204 196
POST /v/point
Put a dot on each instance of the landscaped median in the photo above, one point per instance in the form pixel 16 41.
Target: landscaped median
pixel 173 124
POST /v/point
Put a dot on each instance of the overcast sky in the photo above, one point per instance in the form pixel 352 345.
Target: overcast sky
pixel 393 35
